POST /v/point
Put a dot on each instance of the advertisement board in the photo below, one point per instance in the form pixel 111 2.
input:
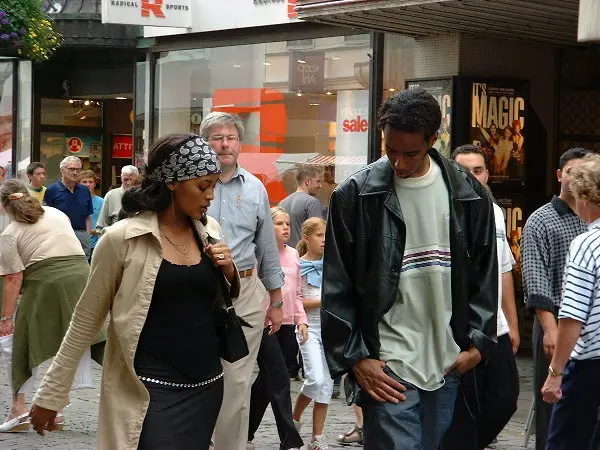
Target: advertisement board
pixel 443 90
pixel 122 146
pixel 498 124
pixel 513 207
pixel 230 15
pixel 158 13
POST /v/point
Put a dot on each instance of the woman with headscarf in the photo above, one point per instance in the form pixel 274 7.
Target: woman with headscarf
pixel 160 274
pixel 42 261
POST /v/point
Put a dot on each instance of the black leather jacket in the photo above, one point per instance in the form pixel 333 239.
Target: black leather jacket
pixel 363 256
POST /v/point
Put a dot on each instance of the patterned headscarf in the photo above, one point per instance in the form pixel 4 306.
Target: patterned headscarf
pixel 193 159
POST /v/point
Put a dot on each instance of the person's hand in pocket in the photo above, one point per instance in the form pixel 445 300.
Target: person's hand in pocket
pixel 466 361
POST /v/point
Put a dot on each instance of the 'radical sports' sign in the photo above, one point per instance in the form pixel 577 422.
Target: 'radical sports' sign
pixel 158 13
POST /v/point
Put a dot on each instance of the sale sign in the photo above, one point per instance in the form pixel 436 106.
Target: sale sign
pixel 122 146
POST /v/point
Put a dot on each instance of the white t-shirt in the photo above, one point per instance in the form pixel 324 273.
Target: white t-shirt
pixel 22 245
pixel 505 264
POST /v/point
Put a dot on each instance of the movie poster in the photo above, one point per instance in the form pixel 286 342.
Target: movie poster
pixel 499 126
pixel 512 207
pixel 441 89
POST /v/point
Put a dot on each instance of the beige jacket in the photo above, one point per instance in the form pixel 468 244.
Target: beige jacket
pixel 124 268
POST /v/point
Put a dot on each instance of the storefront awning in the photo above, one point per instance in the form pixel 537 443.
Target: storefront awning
pixel 547 21
pixel 322 160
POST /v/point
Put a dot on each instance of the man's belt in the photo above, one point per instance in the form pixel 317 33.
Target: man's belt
pixel 246 273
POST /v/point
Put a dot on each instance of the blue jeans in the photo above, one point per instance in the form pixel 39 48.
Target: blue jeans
pixel 419 423
pixel 577 415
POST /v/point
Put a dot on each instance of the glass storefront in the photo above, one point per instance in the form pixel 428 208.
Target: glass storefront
pixel 302 101
pixel 7 80
pixel 71 128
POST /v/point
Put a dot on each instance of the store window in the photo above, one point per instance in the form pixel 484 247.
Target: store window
pixel 71 128
pixel 302 102
pixel 6 115
pixel 23 150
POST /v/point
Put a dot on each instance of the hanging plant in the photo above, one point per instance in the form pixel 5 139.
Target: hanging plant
pixel 25 27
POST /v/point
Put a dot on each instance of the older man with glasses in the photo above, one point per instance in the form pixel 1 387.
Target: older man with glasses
pixel 241 206
pixel 73 199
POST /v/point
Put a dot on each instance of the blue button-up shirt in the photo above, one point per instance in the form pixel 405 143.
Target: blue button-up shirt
pixel 241 206
pixel 77 205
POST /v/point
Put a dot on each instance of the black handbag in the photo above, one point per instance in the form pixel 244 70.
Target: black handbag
pixel 232 341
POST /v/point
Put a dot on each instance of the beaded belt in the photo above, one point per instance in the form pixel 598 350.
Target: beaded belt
pixel 181 385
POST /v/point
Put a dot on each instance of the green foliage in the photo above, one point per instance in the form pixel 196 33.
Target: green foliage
pixel 24 26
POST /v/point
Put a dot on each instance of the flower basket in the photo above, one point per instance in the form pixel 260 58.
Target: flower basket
pixel 27 30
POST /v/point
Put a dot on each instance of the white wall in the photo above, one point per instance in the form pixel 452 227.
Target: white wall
pixel 212 15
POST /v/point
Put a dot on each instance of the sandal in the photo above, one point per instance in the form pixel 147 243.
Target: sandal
pixel 354 436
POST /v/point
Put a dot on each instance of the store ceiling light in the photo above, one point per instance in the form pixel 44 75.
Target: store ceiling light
pixel 267 64
pixel 392 90
pixel 329 93
pixel 237 66
pixel 86 103
pixel 301 61
pixel 299 94
pixel 83 117
pixel 336 58
pixel 120 98
pixel 71 101
pixel 314 104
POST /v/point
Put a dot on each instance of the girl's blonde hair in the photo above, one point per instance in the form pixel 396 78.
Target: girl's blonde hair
pixel 276 210
pixel 310 226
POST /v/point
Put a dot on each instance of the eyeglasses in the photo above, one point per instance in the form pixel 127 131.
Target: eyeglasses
pixel 224 138
pixel 73 169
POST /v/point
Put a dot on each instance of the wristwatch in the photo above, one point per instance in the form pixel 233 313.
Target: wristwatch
pixel 554 373
pixel 278 304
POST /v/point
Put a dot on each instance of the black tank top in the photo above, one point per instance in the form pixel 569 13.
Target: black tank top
pixel 179 342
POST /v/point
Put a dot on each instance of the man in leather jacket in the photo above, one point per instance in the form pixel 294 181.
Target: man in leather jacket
pixel 410 280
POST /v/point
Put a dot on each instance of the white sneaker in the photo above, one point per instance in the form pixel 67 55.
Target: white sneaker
pixel 318 443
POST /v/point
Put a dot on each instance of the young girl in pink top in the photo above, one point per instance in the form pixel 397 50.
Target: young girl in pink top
pixel 273 382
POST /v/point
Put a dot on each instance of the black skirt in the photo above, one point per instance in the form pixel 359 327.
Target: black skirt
pixel 181 418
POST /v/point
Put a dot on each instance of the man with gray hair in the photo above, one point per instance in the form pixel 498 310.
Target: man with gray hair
pixel 109 214
pixel 73 199
pixel 241 206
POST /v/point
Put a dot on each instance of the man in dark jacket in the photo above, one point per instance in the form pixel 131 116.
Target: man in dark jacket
pixel 410 280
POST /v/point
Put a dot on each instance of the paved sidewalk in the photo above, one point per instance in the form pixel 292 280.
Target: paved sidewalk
pixel 80 421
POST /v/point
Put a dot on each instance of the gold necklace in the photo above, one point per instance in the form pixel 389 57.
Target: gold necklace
pixel 186 247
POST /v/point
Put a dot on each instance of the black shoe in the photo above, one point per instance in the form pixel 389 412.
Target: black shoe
pixel 336 391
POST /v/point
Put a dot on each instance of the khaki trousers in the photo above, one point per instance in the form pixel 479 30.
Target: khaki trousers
pixel 231 432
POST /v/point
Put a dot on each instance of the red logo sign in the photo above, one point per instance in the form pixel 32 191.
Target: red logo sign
pixel 358 125
pixel 153 7
pixel 74 145
pixel 292 14
pixel 122 146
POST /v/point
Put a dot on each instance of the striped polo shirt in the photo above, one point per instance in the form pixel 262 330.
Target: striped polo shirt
pixel 581 293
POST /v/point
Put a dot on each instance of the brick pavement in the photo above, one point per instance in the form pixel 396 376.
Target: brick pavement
pixel 80 421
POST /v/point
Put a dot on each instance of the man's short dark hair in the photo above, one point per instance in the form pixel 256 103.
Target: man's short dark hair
pixel 572 153
pixel 33 166
pixel 469 149
pixel 411 111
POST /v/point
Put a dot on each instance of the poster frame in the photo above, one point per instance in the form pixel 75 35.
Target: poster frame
pixel 453 83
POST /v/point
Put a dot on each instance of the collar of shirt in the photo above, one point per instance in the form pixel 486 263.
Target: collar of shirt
pixel 561 207
pixel 594 224
pixel 238 172
pixel 62 187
